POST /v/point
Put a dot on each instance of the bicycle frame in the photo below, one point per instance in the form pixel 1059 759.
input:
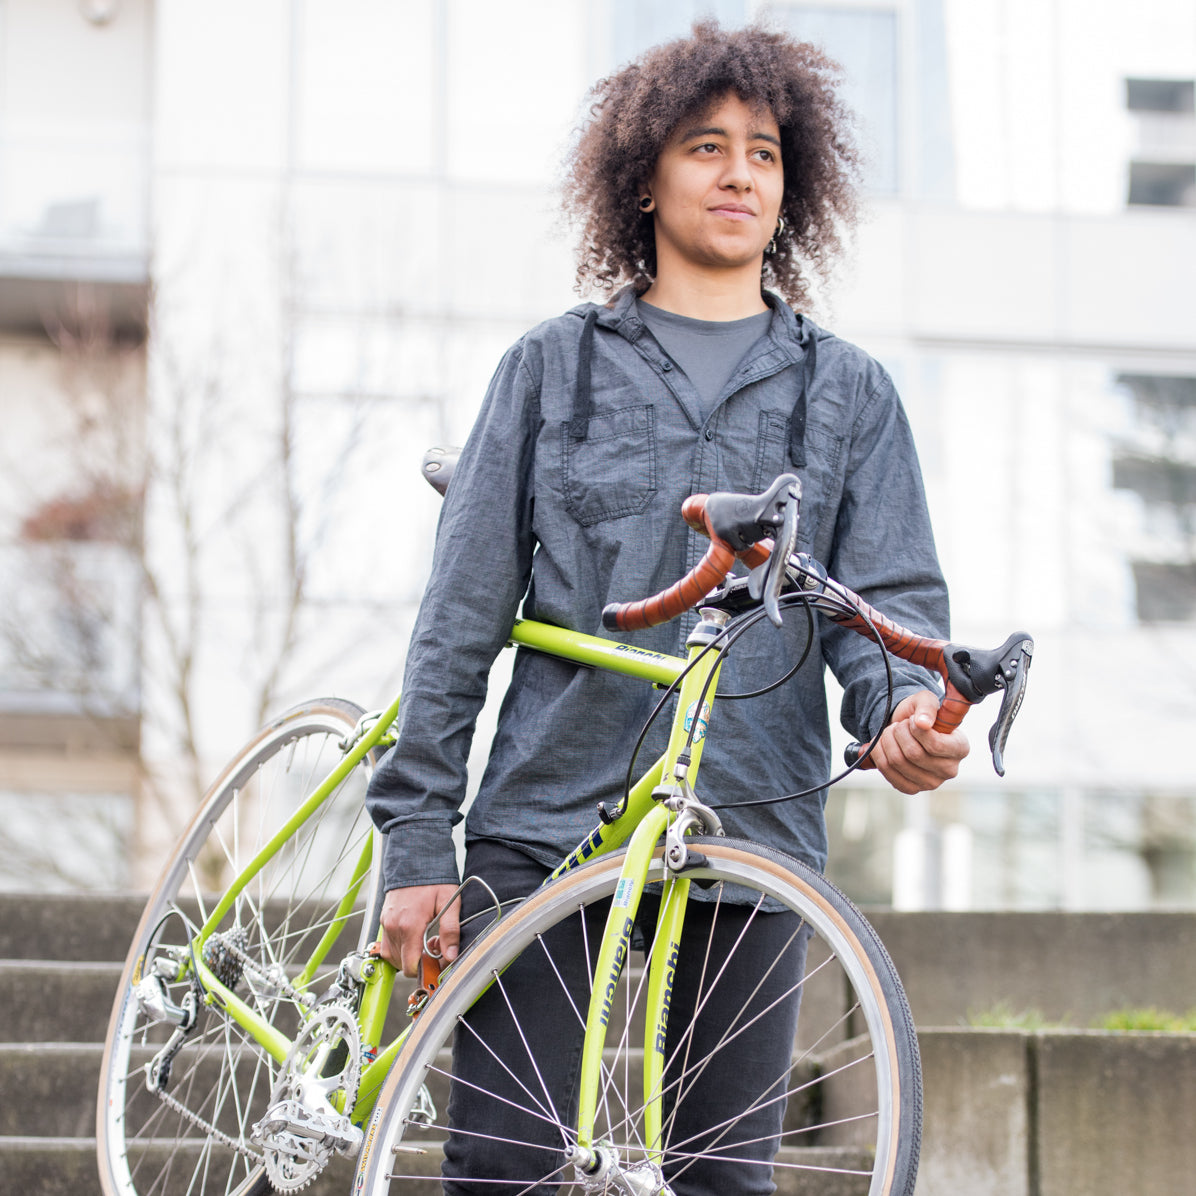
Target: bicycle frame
pixel 643 821
pixel 330 1077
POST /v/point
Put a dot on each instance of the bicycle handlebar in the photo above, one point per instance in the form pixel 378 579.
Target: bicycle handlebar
pixel 739 526
pixel 735 524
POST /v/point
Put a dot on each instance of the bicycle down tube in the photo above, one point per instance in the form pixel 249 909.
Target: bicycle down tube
pixel 680 767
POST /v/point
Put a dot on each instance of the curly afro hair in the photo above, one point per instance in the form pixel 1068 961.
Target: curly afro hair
pixel 634 112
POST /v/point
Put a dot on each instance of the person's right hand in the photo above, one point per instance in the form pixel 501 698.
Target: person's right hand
pixel 405 916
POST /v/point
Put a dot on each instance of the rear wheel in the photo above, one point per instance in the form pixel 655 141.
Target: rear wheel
pixel 191 1135
pixel 842 1093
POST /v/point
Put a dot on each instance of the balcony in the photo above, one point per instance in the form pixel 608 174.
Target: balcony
pixel 69 662
pixel 74 215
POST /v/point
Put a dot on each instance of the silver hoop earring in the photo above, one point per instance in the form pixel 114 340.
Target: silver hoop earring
pixel 772 245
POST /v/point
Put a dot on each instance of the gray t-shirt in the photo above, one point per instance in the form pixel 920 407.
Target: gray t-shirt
pixel 709 351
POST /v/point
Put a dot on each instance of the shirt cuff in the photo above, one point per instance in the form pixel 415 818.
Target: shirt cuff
pixel 419 852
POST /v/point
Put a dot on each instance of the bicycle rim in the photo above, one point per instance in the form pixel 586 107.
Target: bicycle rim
pixel 848 1082
pixel 196 1139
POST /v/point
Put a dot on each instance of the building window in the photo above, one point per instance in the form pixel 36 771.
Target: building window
pixel 1160 95
pixel 1163 184
pixel 1158 464
pixel 1162 169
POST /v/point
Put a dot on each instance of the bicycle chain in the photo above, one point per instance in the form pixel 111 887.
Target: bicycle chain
pixel 212 1132
pixel 206 1127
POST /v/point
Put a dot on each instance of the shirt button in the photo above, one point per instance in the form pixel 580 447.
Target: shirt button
pixel 666 366
pixel 709 433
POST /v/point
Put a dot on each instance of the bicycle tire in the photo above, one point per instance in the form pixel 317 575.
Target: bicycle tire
pixel 221 1079
pixel 853 1084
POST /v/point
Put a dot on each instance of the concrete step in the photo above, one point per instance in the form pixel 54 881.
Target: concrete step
pixel 68 1167
pixel 952 964
pixel 43 1074
pixel 1057 1113
pixel 83 995
pixel 49 1167
pixel 49 1089
pixel 1069 967
pixel 53 1001
pixel 1008 1113
pixel 68 927
pixel 56 1084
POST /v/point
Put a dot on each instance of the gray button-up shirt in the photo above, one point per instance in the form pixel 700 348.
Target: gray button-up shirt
pixel 566 525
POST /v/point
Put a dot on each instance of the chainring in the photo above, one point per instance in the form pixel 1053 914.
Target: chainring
pixel 302 1128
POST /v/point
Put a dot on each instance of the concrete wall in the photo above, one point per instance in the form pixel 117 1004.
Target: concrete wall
pixel 1054 1112
pixel 1069 968
pixel 1057 1113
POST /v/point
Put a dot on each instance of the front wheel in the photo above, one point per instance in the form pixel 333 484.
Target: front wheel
pixel 186 1129
pixel 752 1096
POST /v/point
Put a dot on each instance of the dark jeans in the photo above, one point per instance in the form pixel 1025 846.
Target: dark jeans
pixel 490 1134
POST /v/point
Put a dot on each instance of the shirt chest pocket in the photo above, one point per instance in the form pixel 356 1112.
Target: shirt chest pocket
pixel 819 476
pixel 612 472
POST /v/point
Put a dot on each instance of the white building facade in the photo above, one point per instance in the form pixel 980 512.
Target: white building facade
pixel 339 215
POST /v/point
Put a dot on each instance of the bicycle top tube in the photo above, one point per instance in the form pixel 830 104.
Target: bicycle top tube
pixel 593 650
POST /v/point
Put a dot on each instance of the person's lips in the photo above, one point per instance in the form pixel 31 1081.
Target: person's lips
pixel 734 211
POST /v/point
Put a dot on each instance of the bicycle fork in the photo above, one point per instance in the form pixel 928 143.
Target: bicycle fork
pixel 599 1165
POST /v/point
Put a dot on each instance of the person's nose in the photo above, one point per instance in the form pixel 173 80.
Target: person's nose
pixel 736 174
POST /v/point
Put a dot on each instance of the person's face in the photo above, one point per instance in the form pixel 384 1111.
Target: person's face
pixel 717 188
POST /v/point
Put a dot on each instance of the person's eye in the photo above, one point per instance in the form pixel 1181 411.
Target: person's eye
pixel 766 155
pixel 706 147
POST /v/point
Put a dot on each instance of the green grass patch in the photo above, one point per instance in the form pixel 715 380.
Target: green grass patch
pixel 1148 1019
pixel 1003 1016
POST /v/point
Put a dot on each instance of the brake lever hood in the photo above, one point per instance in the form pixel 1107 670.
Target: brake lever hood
pixel 977 674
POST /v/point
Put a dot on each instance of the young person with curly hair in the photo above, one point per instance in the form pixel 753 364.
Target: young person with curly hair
pixel 713 174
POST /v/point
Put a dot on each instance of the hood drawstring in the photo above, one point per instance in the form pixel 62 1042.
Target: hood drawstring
pixel 797 421
pixel 583 392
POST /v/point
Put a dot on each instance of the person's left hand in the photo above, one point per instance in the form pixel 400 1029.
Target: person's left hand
pixel 912 756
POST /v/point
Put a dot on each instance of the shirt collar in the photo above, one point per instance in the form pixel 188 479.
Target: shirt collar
pixel 788 331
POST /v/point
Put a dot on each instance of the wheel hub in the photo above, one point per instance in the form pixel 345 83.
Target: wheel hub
pixel 602 1170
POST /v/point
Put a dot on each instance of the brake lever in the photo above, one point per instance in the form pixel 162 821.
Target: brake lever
pixel 973 674
pixel 976 674
pixel 1015 672
pixel 768 579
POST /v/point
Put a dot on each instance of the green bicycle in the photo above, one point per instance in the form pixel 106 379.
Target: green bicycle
pixel 256 1037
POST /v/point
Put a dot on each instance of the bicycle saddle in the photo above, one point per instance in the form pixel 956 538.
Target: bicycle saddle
pixel 438 465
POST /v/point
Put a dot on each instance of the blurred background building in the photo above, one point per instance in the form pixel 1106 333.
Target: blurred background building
pixel 254 258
